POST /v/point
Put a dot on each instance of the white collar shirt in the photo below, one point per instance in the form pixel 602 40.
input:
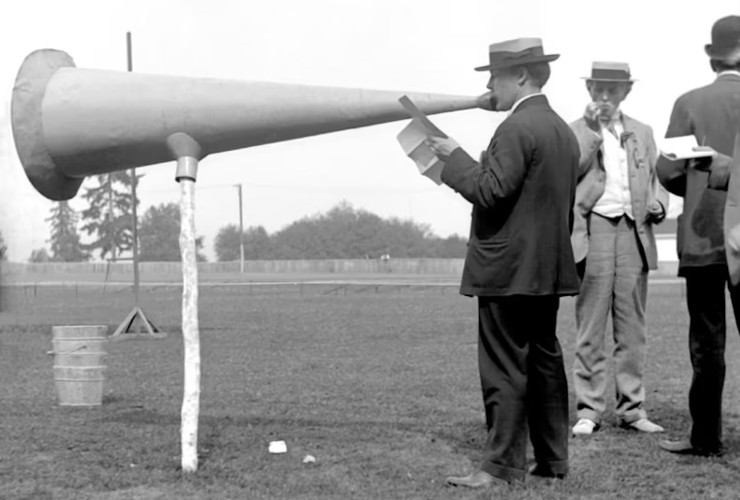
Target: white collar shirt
pixel 517 103
pixel 616 199
pixel 728 72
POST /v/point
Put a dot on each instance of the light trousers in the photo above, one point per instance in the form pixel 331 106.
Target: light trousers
pixel 614 281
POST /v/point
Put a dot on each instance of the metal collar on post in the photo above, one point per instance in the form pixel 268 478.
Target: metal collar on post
pixel 187 152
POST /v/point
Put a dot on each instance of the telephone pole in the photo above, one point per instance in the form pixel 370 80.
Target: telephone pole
pixel 241 229
pixel 123 330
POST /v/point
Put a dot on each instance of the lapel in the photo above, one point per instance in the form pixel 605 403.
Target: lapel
pixel 628 140
pixel 629 135
pixel 639 165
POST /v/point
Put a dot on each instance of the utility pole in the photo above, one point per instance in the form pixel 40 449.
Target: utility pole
pixel 241 229
pixel 111 223
pixel 135 235
pixel 123 329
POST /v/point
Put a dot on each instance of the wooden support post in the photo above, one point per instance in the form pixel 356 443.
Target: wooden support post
pixel 187 152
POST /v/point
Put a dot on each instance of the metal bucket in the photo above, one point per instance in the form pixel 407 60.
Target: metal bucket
pixel 79 373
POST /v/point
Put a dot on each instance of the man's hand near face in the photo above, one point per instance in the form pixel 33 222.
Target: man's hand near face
pixel 591 115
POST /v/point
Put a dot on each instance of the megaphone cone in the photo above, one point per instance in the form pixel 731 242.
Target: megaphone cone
pixel 69 123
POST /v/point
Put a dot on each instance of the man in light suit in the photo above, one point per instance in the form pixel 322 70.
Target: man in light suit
pixel 519 263
pixel 618 200
pixel 712 115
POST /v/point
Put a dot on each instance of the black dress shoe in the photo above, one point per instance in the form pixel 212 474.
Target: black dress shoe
pixel 684 447
pixel 538 471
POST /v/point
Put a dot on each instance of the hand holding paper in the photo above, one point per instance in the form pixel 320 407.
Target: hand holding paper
pixel 442 146
pixel 415 141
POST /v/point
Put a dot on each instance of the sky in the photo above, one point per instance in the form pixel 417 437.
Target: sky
pixel 401 45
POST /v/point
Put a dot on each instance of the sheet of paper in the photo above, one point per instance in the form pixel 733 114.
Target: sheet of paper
pixel 413 141
pixel 684 148
pixel 425 122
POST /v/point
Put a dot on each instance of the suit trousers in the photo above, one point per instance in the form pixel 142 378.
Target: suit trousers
pixel 614 280
pixel 524 385
pixel 705 297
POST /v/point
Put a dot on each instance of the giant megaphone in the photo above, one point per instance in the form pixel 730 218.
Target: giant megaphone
pixel 69 123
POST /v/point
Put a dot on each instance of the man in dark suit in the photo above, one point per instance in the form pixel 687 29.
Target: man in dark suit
pixel 519 263
pixel 712 115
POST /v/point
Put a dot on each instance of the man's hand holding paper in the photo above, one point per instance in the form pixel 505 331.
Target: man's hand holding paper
pixel 442 146
pixel 719 167
pixel 415 141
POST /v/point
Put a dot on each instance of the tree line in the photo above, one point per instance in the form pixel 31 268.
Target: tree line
pixel 341 233
pixel 108 223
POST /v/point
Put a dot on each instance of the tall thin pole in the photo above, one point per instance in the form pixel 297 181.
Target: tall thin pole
pixel 241 230
pixel 190 328
pixel 129 57
pixel 111 223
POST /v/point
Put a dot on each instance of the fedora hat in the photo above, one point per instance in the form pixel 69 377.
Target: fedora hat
pixel 515 53
pixel 725 44
pixel 604 71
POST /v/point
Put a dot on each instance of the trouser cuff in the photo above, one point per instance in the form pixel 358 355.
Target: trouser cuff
pixel 508 474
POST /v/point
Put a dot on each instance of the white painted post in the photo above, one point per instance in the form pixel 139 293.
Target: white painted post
pixel 187 152
pixel 190 332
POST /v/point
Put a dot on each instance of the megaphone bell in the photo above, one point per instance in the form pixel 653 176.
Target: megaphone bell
pixel 69 123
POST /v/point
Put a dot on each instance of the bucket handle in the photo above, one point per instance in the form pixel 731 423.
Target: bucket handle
pixel 51 353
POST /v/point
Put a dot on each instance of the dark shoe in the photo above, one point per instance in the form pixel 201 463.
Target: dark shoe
pixel 684 447
pixel 477 479
pixel 542 472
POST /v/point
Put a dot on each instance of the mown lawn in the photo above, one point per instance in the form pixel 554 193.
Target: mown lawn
pixel 378 383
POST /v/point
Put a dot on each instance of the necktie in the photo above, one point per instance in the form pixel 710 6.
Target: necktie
pixel 612 129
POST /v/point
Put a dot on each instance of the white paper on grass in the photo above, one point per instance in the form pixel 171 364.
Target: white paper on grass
pixel 277 447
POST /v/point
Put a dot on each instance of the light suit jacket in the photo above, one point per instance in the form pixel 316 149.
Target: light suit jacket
pixel 637 139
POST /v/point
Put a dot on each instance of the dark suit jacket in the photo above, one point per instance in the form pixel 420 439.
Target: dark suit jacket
pixel 522 193
pixel 712 115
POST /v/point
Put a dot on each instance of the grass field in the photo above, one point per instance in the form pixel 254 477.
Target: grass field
pixel 378 383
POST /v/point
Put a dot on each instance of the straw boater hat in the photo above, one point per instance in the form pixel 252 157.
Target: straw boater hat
pixel 603 71
pixel 725 44
pixel 515 53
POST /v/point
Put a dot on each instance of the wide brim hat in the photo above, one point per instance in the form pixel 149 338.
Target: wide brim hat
pixel 606 71
pixel 725 44
pixel 516 53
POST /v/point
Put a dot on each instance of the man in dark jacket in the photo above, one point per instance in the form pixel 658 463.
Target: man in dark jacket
pixel 712 115
pixel 519 263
